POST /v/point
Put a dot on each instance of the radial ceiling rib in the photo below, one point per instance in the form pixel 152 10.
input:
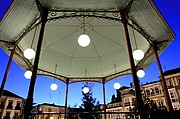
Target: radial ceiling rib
pixel 98 57
pixel 58 41
pixel 103 21
pixel 109 40
pixel 72 56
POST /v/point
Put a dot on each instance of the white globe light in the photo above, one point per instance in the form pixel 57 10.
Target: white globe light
pixel 85 90
pixel 138 54
pixel 140 73
pixel 53 86
pixel 28 74
pixel 116 85
pixel 29 53
pixel 84 40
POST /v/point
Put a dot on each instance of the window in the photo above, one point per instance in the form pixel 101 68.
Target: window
pixel 152 91
pixel 171 94
pixel 8 113
pixel 10 104
pixel 178 80
pixel 147 92
pixel 173 97
pixel 18 106
pixel 170 82
pixel 157 90
pixel 2 104
pixel 16 115
pixel 49 109
pixel 161 104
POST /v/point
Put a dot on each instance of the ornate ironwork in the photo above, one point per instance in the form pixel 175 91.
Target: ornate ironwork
pixel 115 16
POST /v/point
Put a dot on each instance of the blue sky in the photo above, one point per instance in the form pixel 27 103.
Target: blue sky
pixel 169 59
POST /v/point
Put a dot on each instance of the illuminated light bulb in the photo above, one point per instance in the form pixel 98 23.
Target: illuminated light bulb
pixel 138 54
pixel 84 40
pixel 140 73
pixel 117 85
pixel 28 74
pixel 29 53
pixel 85 90
pixel 53 86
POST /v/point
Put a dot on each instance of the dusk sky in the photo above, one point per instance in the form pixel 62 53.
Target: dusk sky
pixel 170 58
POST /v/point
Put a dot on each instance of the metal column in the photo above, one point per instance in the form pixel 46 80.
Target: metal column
pixel 104 97
pixel 164 86
pixel 29 100
pixel 7 71
pixel 67 86
pixel 139 101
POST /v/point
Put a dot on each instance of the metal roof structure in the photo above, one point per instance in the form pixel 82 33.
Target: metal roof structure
pixel 103 25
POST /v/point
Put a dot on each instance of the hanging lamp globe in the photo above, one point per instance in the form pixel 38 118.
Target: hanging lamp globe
pixel 117 86
pixel 140 73
pixel 28 74
pixel 138 54
pixel 84 40
pixel 85 90
pixel 53 86
pixel 29 53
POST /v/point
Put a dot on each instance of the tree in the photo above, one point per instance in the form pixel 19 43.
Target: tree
pixel 72 112
pixel 151 110
pixel 89 105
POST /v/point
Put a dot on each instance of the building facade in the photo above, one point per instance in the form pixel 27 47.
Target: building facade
pixel 48 111
pixel 152 90
pixel 11 105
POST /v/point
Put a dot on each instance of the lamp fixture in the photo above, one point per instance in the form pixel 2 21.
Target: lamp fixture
pixel 85 90
pixel 116 85
pixel 28 74
pixel 84 39
pixel 137 54
pixel 29 53
pixel 54 85
pixel 140 73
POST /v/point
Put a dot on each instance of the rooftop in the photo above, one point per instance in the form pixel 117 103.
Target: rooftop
pixel 172 71
pixel 10 94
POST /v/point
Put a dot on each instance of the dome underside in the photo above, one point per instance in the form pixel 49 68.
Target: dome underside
pixel 106 57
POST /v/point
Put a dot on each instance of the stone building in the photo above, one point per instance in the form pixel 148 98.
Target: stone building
pixel 11 105
pixel 153 90
pixel 48 111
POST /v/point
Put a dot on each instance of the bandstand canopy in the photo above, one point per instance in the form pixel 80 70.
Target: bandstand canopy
pixel 101 21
